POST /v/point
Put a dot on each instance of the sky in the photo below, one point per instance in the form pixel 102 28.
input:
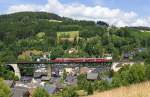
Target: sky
pixel 115 12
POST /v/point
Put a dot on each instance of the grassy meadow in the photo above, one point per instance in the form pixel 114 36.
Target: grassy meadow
pixel 137 90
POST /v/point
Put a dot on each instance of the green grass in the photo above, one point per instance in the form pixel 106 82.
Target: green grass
pixel 81 93
pixel 140 35
pixel 70 35
pixel 55 21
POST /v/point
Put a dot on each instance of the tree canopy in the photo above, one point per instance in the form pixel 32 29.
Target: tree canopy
pixel 4 89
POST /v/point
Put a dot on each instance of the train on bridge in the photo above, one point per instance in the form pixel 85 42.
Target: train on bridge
pixel 20 68
pixel 80 60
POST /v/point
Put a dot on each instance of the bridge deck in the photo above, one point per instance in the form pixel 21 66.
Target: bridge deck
pixel 71 60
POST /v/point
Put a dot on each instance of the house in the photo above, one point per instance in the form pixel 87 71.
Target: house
pixel 141 49
pixel 45 78
pixel 71 80
pixel 72 51
pixel 54 80
pixel 92 76
pixel 85 70
pixel 25 89
pixel 59 86
pixel 40 72
pixel 55 72
pixel 51 89
pixel 26 79
pixel 20 92
pixel 69 70
pixel 99 70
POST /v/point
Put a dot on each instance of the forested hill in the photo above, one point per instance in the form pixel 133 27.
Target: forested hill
pixel 38 32
pixel 25 24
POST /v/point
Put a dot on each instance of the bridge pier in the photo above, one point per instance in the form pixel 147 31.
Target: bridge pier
pixel 16 70
pixel 49 71
pixel 116 66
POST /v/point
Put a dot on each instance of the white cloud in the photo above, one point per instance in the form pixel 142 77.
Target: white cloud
pixel 19 8
pixel 80 11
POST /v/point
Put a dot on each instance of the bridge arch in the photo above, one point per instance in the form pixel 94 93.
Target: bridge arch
pixel 15 69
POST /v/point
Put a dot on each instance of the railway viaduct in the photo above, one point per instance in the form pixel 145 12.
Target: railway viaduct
pixel 82 62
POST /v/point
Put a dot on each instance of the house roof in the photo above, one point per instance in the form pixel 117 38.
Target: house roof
pixel 45 78
pixel 84 70
pixel 92 76
pixel 18 91
pixel 98 70
pixel 50 88
pixel 26 78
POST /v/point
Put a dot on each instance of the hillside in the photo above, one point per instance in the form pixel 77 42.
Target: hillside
pixel 137 90
pixel 38 36
pixel 38 31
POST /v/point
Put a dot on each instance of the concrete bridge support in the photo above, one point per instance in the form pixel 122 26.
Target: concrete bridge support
pixel 15 69
pixel 116 66
pixel 49 71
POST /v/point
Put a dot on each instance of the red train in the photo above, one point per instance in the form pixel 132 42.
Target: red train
pixel 80 60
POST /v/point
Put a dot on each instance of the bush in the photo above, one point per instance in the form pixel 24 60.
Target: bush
pixel 4 89
pixel 136 73
pixel 124 77
pixel 82 81
pixel 124 74
pixel 89 89
pixel 95 85
pixel 147 61
pixel 6 74
pixel 40 92
pixel 69 92
pixel 147 71
pixel 116 81
pixel 82 93
pixel 16 78
pixel 129 75
pixel 103 85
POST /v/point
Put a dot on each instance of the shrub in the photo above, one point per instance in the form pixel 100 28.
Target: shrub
pixel 4 89
pixel 147 71
pixel 16 78
pixel 40 92
pixel 124 77
pixel 103 85
pixel 82 81
pixel 116 81
pixel 136 74
pixel 89 89
pixel 69 92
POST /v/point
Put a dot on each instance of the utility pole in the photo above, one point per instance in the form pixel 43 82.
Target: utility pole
pixel 49 69
pixel 108 34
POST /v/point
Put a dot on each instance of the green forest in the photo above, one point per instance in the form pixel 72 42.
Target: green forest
pixel 25 36
pixel 37 32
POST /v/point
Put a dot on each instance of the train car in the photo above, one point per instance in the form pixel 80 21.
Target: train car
pixel 80 60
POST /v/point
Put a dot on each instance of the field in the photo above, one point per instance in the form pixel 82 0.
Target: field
pixel 137 90
pixel 70 36
pixel 55 21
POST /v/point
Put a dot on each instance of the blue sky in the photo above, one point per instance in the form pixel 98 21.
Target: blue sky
pixel 5 4
pixel 127 5
pixel 142 7
pixel 138 7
